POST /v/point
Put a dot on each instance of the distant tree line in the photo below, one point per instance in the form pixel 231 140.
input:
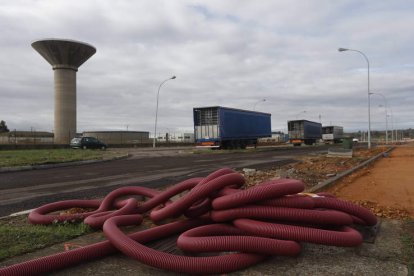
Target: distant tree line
pixel 403 133
pixel 3 127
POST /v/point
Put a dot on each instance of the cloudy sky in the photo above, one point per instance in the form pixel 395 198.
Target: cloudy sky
pixel 228 53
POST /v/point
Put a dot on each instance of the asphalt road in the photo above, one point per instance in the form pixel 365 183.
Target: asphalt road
pixel 29 189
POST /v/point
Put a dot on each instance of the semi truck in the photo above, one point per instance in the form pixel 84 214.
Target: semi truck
pixel 332 134
pixel 304 132
pixel 229 128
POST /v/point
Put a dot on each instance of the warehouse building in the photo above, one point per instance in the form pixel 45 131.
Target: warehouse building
pixel 119 137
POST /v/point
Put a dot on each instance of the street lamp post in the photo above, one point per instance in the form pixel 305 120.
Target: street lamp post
pixel 392 129
pixel 394 119
pixel 386 123
pixel 262 100
pixel 386 114
pixel 392 124
pixel 156 110
pixel 369 102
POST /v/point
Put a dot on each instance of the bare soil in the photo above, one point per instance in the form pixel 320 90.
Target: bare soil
pixel 386 187
pixel 314 170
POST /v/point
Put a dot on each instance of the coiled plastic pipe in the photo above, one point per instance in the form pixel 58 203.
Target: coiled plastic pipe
pixel 223 237
pixel 95 251
pixel 268 219
pixel 345 236
pixel 272 189
pixel 197 193
pixel 323 217
pixel 334 203
pixel 176 263
pixel 40 215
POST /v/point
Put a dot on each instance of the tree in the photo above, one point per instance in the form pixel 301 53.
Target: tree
pixel 3 126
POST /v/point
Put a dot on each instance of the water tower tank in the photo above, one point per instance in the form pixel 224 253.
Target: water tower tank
pixel 65 56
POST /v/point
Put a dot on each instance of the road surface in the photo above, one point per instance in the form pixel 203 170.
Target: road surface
pixel 29 189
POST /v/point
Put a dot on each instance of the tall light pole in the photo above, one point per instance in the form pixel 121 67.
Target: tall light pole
pixel 392 128
pixel 392 124
pixel 386 114
pixel 369 102
pixel 386 123
pixel 156 110
pixel 396 128
pixel 262 100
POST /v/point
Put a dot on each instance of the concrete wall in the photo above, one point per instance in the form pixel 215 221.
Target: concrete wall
pixel 26 140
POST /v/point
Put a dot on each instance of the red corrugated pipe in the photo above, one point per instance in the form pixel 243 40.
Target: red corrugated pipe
pixel 268 219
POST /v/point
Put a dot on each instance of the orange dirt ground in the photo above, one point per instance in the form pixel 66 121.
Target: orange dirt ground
pixel 386 187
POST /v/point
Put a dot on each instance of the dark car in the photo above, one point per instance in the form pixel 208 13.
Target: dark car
pixel 87 143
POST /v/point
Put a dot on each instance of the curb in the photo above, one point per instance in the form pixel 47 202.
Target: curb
pixel 60 165
pixel 332 180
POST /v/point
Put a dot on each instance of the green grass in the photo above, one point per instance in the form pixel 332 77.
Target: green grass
pixel 11 158
pixel 22 237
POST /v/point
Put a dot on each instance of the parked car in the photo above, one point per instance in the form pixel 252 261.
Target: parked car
pixel 87 143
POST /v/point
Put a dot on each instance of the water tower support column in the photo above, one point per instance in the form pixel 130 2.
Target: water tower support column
pixel 65 105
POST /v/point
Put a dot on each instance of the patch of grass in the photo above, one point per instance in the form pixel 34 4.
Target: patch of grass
pixel 21 237
pixel 11 158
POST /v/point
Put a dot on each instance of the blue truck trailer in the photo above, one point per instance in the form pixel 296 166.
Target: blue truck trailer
pixel 304 131
pixel 229 128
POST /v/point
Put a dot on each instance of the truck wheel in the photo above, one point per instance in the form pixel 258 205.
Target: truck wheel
pixel 84 147
pixel 309 142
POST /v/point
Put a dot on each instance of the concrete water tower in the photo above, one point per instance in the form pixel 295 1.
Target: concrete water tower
pixel 65 56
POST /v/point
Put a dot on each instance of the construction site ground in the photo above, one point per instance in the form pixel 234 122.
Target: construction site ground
pixel 385 186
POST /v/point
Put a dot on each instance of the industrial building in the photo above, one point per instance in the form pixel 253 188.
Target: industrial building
pixel 176 138
pixel 26 137
pixel 119 137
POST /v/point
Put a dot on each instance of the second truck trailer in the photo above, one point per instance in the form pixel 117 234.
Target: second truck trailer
pixel 304 131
